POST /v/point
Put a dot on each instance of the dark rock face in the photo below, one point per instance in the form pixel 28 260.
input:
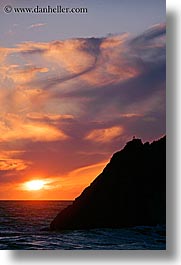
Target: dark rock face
pixel 130 191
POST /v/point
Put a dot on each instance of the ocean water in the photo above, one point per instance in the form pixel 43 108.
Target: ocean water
pixel 22 226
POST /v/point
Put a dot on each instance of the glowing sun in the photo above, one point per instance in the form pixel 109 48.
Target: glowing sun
pixel 35 184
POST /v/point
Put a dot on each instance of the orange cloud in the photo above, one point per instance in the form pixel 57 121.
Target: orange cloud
pixel 21 75
pixel 14 127
pixel 104 135
pixel 12 164
pixel 9 162
pixel 100 61
pixel 114 41
pixel 52 117
pixel 70 54
pixel 131 115
pixel 112 65
pixel 26 74
pixel 96 61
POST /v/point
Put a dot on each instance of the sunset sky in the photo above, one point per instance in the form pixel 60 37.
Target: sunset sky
pixel 74 88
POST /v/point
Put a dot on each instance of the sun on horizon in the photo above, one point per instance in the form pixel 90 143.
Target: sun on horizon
pixel 34 185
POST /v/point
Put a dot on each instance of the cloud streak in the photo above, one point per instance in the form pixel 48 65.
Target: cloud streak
pixel 37 25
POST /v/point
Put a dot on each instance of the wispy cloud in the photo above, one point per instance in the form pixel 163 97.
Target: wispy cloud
pixel 37 25
pixel 14 127
pixel 105 135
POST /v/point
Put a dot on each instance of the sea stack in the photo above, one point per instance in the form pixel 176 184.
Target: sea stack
pixel 130 191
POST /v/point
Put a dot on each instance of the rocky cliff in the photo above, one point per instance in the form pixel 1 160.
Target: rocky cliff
pixel 130 191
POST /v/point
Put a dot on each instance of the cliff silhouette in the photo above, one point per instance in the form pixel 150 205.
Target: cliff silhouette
pixel 130 191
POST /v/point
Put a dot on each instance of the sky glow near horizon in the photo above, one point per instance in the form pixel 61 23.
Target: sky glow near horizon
pixel 72 95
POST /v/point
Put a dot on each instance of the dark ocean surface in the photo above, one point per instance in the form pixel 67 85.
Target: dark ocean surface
pixel 22 224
